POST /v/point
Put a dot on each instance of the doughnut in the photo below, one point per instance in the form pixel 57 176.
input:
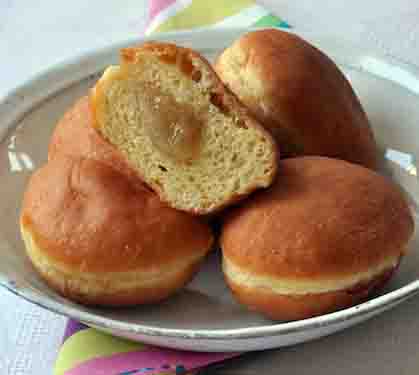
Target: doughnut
pixel 99 239
pixel 186 135
pixel 299 94
pixel 323 237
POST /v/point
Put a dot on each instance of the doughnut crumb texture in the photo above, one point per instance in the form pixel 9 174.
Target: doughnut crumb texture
pixel 177 125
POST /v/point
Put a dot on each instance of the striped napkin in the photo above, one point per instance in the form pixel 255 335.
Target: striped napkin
pixel 175 15
pixel 87 351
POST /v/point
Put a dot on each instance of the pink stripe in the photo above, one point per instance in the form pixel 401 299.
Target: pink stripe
pixel 156 6
pixel 124 363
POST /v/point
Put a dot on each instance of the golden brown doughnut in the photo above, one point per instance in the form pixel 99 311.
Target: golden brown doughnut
pixel 324 236
pixel 97 238
pixel 299 95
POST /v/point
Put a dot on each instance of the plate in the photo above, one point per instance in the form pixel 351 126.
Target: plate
pixel 203 317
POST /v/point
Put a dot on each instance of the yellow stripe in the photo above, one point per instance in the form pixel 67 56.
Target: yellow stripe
pixel 203 13
pixel 90 343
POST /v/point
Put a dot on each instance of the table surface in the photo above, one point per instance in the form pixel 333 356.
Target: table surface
pixel 36 35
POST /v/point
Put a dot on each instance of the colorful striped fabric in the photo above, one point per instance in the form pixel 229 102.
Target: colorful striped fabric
pixel 171 15
pixel 87 351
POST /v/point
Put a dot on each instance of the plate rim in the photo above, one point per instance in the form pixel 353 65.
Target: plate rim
pixel 15 105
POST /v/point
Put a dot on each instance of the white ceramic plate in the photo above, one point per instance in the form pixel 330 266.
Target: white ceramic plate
pixel 203 317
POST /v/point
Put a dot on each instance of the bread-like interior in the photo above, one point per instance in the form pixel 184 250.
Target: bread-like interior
pixel 177 125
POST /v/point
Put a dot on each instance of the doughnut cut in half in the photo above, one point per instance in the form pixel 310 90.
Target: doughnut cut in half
pixel 179 127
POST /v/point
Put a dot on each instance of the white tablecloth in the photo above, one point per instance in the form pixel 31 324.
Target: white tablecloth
pixel 35 35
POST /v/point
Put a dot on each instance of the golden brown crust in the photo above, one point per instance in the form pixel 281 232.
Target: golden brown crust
pixel 299 94
pixel 90 217
pixel 74 136
pixel 293 307
pixel 322 218
pixel 221 96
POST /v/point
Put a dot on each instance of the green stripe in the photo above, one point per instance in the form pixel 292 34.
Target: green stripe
pixel 90 343
pixel 270 20
pixel 203 13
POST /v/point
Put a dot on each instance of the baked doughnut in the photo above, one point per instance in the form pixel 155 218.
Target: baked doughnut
pixel 75 137
pixel 299 95
pixel 321 238
pixel 178 126
pixel 98 239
